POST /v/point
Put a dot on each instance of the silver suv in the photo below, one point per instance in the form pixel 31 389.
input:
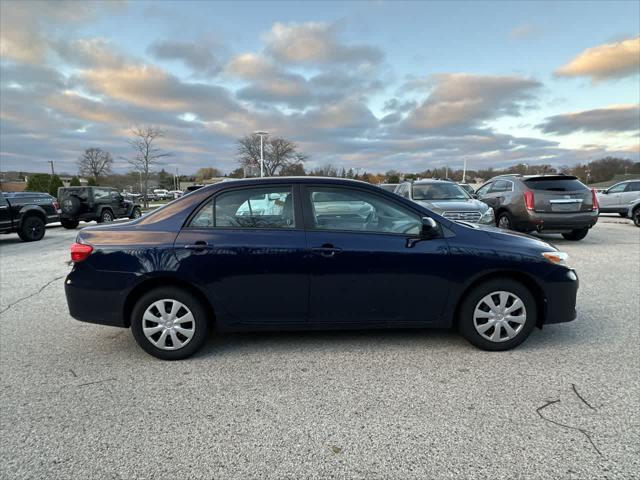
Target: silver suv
pixel 617 198
pixel 447 199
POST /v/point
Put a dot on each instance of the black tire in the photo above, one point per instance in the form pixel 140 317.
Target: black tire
pixel 32 229
pixel 623 214
pixel 106 216
pixel 505 221
pixel 576 235
pixel 70 206
pixel 471 300
pixel 201 322
pixel 69 224
pixel 135 213
pixel 635 215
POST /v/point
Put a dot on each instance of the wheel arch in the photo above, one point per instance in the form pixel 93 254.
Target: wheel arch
pixel 163 281
pixel 32 211
pixel 529 282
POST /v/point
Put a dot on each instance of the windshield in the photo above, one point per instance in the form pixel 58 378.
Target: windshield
pixel 438 191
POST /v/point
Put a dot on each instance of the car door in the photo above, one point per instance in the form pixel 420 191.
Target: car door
pixel 5 214
pixel 611 199
pixel 118 204
pixel 495 193
pixel 246 248
pixel 363 269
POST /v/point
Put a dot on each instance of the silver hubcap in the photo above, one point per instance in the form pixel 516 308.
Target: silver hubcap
pixel 499 316
pixel 107 217
pixel 503 222
pixel 168 324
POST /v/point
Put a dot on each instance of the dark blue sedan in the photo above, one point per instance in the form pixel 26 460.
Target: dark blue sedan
pixel 312 253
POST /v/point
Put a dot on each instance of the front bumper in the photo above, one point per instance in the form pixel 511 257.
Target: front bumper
pixel 561 291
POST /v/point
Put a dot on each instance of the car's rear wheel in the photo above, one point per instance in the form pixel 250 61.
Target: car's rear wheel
pixel 32 229
pixel 636 216
pixel 69 224
pixel 169 323
pixel 576 235
pixel 497 315
pixel 106 216
pixel 135 213
pixel 505 221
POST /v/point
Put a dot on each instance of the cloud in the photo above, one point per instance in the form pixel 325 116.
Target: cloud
pixel 24 26
pixel 465 101
pixel 611 60
pixel 615 118
pixel 198 56
pixel 151 87
pixel 315 43
pixel 525 30
pixel 88 52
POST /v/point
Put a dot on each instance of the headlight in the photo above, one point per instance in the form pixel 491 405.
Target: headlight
pixel 557 258
pixel 488 215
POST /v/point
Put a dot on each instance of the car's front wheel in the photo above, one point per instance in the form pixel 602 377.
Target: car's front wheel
pixel 576 235
pixel 505 221
pixel 135 213
pixel 169 323
pixel 497 315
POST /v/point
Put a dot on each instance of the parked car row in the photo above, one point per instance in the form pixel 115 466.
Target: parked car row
pixel 527 203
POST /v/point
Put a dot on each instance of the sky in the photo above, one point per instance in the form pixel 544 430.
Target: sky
pixel 370 85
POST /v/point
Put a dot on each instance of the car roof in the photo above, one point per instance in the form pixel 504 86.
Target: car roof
pixel 300 180
pixel 432 180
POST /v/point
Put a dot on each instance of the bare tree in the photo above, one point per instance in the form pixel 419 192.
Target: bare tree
pixel 95 163
pixel 279 153
pixel 143 141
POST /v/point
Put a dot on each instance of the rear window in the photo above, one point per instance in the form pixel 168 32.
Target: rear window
pixel 555 184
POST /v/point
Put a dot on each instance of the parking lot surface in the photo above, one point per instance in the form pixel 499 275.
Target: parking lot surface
pixel 84 401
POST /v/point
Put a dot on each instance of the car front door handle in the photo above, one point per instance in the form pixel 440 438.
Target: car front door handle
pixel 199 246
pixel 326 250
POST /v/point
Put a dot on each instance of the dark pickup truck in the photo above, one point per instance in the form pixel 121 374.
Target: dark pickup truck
pixel 27 213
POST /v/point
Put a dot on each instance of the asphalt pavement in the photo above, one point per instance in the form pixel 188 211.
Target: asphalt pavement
pixel 84 401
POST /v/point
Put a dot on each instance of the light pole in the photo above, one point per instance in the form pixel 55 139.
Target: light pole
pixel 261 134
pixel 464 170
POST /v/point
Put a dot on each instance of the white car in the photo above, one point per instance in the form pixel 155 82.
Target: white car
pixel 616 199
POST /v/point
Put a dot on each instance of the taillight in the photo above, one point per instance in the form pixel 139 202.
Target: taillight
pixel 594 196
pixel 80 252
pixel 56 205
pixel 529 201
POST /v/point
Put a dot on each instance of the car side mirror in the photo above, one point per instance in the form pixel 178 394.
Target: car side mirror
pixel 429 229
pixel 474 195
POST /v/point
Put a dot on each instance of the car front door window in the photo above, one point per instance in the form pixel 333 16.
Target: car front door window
pixel 353 210
pixel 483 190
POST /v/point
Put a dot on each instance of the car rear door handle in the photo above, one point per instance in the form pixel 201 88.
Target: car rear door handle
pixel 198 246
pixel 326 250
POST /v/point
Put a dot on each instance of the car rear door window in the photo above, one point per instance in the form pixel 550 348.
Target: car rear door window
pixel 501 186
pixel 633 187
pixel 101 193
pixel 248 208
pixel 343 209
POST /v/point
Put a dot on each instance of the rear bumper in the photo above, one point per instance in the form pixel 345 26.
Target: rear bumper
pixel 103 305
pixel 557 221
pixel 561 290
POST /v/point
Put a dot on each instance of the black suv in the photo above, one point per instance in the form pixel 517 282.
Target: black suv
pixel 27 213
pixel 550 203
pixel 101 204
